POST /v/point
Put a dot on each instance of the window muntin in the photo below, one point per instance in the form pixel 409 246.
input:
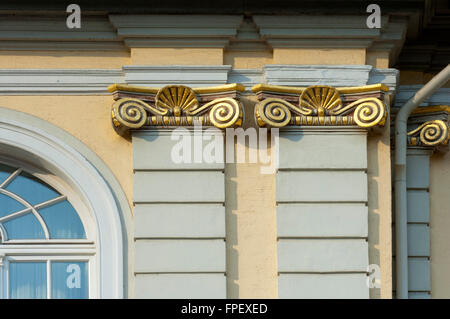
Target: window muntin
pixel 48 277
pixel 39 226
pixel 32 209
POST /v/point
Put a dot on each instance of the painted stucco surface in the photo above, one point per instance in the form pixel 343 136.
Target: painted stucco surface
pixel 176 56
pixel 380 210
pixel 251 226
pixel 319 56
pixel 250 196
pixel 63 59
pixel 440 224
pixel 88 119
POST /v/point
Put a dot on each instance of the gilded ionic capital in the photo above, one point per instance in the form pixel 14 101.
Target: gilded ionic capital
pixel 175 105
pixel 428 127
pixel 320 105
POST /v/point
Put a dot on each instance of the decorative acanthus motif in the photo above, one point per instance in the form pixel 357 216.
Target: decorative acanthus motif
pixel 176 105
pixel 320 105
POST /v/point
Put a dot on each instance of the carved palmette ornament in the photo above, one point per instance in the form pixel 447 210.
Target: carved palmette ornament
pixel 176 105
pixel 320 99
pixel 431 133
pixel 176 99
pixel 320 105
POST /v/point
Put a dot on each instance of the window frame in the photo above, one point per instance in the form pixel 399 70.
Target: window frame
pixel 80 256
pixel 65 190
pixel 41 143
pixel 49 249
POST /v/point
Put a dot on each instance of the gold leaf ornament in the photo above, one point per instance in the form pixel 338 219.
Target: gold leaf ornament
pixel 177 99
pixel 225 112
pixel 369 112
pixel 129 112
pixel 320 99
pixel 272 111
pixel 432 133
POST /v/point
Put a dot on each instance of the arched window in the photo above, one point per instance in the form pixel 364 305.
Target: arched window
pixel 63 215
pixel 47 251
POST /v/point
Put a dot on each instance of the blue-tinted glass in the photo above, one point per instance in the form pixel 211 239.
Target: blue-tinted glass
pixel 70 280
pixel 31 189
pixel 9 205
pixel 63 221
pixel 27 280
pixel 5 171
pixel 24 227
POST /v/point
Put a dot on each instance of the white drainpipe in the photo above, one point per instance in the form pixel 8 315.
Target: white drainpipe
pixel 401 210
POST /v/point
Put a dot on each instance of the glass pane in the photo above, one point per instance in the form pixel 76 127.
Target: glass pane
pixel 9 205
pixel 70 280
pixel 27 280
pixel 31 189
pixel 5 171
pixel 24 227
pixel 63 221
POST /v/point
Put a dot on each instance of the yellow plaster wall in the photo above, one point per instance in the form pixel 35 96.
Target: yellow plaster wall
pixel 251 227
pixel 247 60
pixel 63 59
pixel 380 210
pixel 87 118
pixel 176 56
pixel 319 56
pixel 440 225
pixel 250 199
pixel 378 59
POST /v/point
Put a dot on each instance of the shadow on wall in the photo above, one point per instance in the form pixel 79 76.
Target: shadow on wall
pixel 251 242
pixel 380 210
pixel 232 255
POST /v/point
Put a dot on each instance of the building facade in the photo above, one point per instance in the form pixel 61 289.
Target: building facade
pixel 240 151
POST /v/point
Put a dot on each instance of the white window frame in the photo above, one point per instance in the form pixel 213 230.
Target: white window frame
pixel 67 194
pixel 36 141
pixel 2 266
pixel 80 256
pixel 61 249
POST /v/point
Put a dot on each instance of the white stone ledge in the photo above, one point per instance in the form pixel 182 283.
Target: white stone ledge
pixel 96 81
pixel 57 81
pixel 158 76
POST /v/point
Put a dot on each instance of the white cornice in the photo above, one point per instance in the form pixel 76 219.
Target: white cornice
pixel 328 31
pixel 405 92
pixel 176 42
pixel 55 28
pixel 392 39
pixel 246 77
pixel 176 30
pixel 388 77
pixel 158 76
pixel 334 75
pixel 317 31
pixel 96 81
pixel 320 43
pixel 62 46
pixel 57 81
pixel 305 75
pixel 118 32
pixel 51 33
